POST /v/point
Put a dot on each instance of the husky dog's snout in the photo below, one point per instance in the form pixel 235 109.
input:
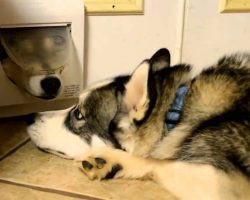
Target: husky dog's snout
pixel 44 86
pixel 50 86
pixel 34 58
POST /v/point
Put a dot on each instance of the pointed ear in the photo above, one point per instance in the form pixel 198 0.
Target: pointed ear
pixel 160 59
pixel 137 96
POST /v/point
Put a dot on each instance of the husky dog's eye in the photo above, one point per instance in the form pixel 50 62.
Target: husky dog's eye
pixel 78 115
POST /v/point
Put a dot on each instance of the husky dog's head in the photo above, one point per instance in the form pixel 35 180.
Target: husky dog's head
pixel 34 58
pixel 71 132
pixel 104 111
pixel 44 86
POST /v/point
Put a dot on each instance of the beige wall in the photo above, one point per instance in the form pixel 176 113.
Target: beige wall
pixel 116 44
pixel 209 34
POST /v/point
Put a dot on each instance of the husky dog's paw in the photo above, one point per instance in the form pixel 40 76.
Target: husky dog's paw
pixel 101 164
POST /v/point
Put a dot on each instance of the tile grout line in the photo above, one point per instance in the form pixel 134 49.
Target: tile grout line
pixel 14 149
pixel 48 190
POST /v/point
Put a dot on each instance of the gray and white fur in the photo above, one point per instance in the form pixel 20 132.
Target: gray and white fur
pixel 205 156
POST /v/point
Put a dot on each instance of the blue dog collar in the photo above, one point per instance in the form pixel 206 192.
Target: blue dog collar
pixel 174 113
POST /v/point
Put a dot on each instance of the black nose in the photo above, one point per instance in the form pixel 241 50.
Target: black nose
pixel 51 86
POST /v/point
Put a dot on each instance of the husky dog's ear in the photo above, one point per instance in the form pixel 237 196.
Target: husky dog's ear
pixel 140 92
pixel 160 59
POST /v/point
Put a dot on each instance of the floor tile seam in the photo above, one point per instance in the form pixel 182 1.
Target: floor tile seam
pixel 47 189
pixel 14 149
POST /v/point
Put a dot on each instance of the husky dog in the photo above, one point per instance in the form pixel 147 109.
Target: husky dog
pixel 202 151
pixel 189 134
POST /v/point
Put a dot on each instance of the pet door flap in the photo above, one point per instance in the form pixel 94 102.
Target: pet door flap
pixel 38 50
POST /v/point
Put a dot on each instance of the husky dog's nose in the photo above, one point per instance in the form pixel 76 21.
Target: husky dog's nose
pixel 51 86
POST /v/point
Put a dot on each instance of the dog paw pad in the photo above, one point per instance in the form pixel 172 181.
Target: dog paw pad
pixel 100 162
pixel 115 168
pixel 87 165
pixel 100 168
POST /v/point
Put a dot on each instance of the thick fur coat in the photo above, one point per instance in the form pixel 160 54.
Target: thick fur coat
pixel 207 154
pixel 118 129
